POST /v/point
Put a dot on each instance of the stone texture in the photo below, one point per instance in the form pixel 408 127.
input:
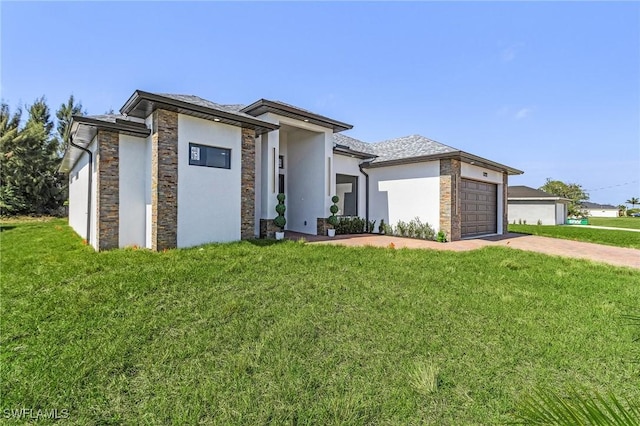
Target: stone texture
pixel 247 185
pixel 108 187
pixel 505 209
pixel 164 180
pixel 268 229
pixel 450 216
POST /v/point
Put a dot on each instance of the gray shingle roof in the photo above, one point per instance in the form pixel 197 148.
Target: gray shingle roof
pixel 353 144
pixel 589 205
pixel 395 149
pixel 521 191
pixel 409 147
pixel 197 100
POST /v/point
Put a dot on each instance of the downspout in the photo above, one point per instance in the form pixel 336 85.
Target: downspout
pixel 89 186
pixel 366 197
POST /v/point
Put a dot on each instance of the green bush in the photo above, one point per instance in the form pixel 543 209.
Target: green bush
pixel 350 225
pixel 412 229
pixel 280 220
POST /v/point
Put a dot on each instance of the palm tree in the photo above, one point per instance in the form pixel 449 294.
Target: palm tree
pixel 633 201
pixel 622 209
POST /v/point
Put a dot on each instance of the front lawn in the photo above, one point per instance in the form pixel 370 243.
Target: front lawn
pixel 256 333
pixel 616 222
pixel 609 237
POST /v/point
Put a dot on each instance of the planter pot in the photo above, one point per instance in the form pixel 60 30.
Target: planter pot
pixel 331 232
pixel 279 235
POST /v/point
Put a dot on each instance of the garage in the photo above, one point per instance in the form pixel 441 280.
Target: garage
pixel 479 208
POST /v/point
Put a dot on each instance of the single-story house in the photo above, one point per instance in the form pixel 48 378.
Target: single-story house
pixel 531 205
pixel 179 171
pixel 600 210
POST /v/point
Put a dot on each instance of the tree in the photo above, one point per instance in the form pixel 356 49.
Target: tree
pixel 64 115
pixel 571 191
pixel 29 178
pixel 622 210
pixel 633 201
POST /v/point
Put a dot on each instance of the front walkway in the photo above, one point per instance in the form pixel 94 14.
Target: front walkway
pixel 618 256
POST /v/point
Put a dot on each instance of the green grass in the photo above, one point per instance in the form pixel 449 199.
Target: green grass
pixel 256 333
pixel 616 222
pixel 610 237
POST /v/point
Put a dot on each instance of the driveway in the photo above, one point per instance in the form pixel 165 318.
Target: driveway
pixel 618 256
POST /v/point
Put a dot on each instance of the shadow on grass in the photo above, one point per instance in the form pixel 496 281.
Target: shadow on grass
pixel 6 228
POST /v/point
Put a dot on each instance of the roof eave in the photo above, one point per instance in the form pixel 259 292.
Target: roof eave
pixel 158 101
pixel 264 105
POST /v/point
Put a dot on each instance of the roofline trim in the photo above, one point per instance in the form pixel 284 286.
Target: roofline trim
pixel 139 95
pixel 134 129
pixel 275 107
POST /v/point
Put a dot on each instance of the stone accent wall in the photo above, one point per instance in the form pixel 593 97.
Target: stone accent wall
pixel 108 186
pixel 268 229
pixel 164 180
pixel 505 208
pixel 322 226
pixel 248 185
pixel 450 217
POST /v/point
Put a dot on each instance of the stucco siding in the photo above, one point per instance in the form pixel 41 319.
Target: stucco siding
pixel 603 212
pixel 405 192
pixel 208 197
pixel 78 193
pixel 132 191
pixel 532 211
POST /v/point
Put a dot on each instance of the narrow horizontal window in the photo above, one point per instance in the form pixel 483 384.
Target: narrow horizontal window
pixel 209 156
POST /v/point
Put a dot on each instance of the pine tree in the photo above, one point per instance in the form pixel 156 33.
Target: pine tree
pixel 29 179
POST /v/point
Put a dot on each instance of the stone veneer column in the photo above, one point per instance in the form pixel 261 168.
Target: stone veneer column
pixel 505 208
pixel 164 180
pixel 248 185
pixel 108 186
pixel 450 217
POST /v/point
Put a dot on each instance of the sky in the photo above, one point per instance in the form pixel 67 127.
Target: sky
pixel 550 88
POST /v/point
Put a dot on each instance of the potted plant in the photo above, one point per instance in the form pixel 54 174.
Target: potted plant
pixel 280 220
pixel 333 219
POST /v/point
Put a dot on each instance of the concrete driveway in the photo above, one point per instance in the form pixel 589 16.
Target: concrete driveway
pixel 617 256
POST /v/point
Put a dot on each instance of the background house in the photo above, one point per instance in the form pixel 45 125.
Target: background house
pixel 533 205
pixel 600 210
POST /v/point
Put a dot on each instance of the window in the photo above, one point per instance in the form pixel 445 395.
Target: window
pixel 209 156
pixel 347 191
pixel 281 162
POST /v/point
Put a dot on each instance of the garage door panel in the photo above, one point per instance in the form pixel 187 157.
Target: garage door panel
pixel 479 212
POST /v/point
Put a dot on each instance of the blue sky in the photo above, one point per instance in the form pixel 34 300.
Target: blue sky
pixel 549 88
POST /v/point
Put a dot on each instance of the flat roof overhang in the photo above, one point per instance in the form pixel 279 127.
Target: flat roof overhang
pixel 264 105
pixel 85 129
pixel 141 104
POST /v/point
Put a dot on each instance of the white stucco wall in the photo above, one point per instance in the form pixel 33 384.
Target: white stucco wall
pixel 148 148
pixel 603 212
pixel 307 176
pixel 132 207
pixel 208 197
pixel 346 165
pixel 532 211
pixel 405 192
pixel 78 181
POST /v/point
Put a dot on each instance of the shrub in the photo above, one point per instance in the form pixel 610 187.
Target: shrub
pixel 333 219
pixel 413 229
pixel 280 220
pixel 350 225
